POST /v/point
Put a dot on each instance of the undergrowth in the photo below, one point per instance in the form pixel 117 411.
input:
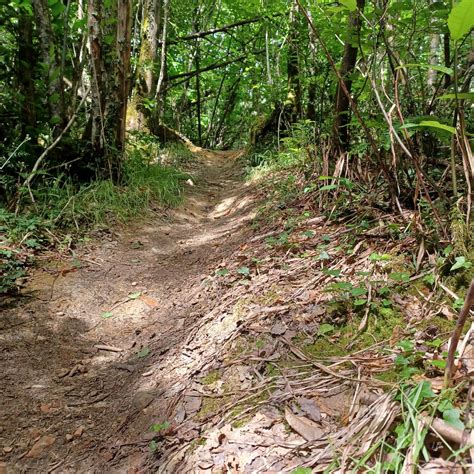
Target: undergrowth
pixel 64 208
pixel 422 266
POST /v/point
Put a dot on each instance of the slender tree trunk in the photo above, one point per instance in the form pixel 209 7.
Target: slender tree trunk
pixel 123 45
pixel 293 69
pixel 96 127
pixel 49 57
pixel 198 94
pixel 160 86
pixel 26 61
pixel 311 110
pixel 447 57
pixel 432 73
pixel 349 58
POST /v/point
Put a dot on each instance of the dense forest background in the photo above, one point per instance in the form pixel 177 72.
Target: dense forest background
pixel 371 100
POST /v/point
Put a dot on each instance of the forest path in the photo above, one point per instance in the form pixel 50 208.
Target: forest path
pixel 81 368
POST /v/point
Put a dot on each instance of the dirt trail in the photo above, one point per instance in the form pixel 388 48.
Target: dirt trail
pixel 85 351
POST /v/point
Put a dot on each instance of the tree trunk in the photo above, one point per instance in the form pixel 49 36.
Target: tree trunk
pixel 26 62
pixel 160 86
pixel 349 58
pixel 432 73
pixel 96 127
pixel 145 81
pixel 123 69
pixel 293 69
pixel 48 50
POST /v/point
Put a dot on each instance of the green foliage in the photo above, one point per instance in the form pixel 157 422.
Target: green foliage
pixel 11 269
pixel 62 206
pixel 461 19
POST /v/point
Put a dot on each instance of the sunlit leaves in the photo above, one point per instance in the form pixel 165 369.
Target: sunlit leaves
pixel 461 19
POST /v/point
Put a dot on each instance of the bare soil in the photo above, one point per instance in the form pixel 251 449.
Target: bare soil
pixel 82 348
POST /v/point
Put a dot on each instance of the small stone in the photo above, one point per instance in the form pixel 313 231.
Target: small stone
pixel 134 283
pixel 79 432
pixel 69 437
pixel 7 449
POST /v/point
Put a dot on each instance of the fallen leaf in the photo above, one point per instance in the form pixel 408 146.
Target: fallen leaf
pixel 134 296
pixel 149 301
pixel 143 353
pixel 180 414
pixel 309 408
pixel 278 329
pixel 192 404
pixel 142 399
pixel 40 446
pixel 306 428
pixel 107 315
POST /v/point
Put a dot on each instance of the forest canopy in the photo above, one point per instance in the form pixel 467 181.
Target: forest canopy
pixel 379 92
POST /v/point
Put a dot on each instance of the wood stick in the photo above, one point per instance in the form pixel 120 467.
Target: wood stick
pixel 468 303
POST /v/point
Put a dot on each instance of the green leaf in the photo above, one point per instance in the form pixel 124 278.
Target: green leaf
pixel 426 390
pixel 107 315
pixel 134 296
pixel 351 5
pixel 329 187
pixel 458 303
pixel 157 427
pixel 453 417
pixel 461 262
pixel 222 272
pixel 342 285
pixel 143 353
pixel 406 346
pixel 360 302
pixel 358 291
pixel 436 67
pixel 461 19
pixel 302 470
pixel 324 256
pixel 335 273
pixel 325 329
pixel 461 96
pixel 441 364
pixel 376 257
pixel 244 271
pixel 399 276
pixel 436 124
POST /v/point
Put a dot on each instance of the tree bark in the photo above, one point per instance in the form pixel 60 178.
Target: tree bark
pixel 26 62
pixel 123 45
pixel 163 76
pixel 349 58
pixel 293 68
pixel 96 128
pixel 49 57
